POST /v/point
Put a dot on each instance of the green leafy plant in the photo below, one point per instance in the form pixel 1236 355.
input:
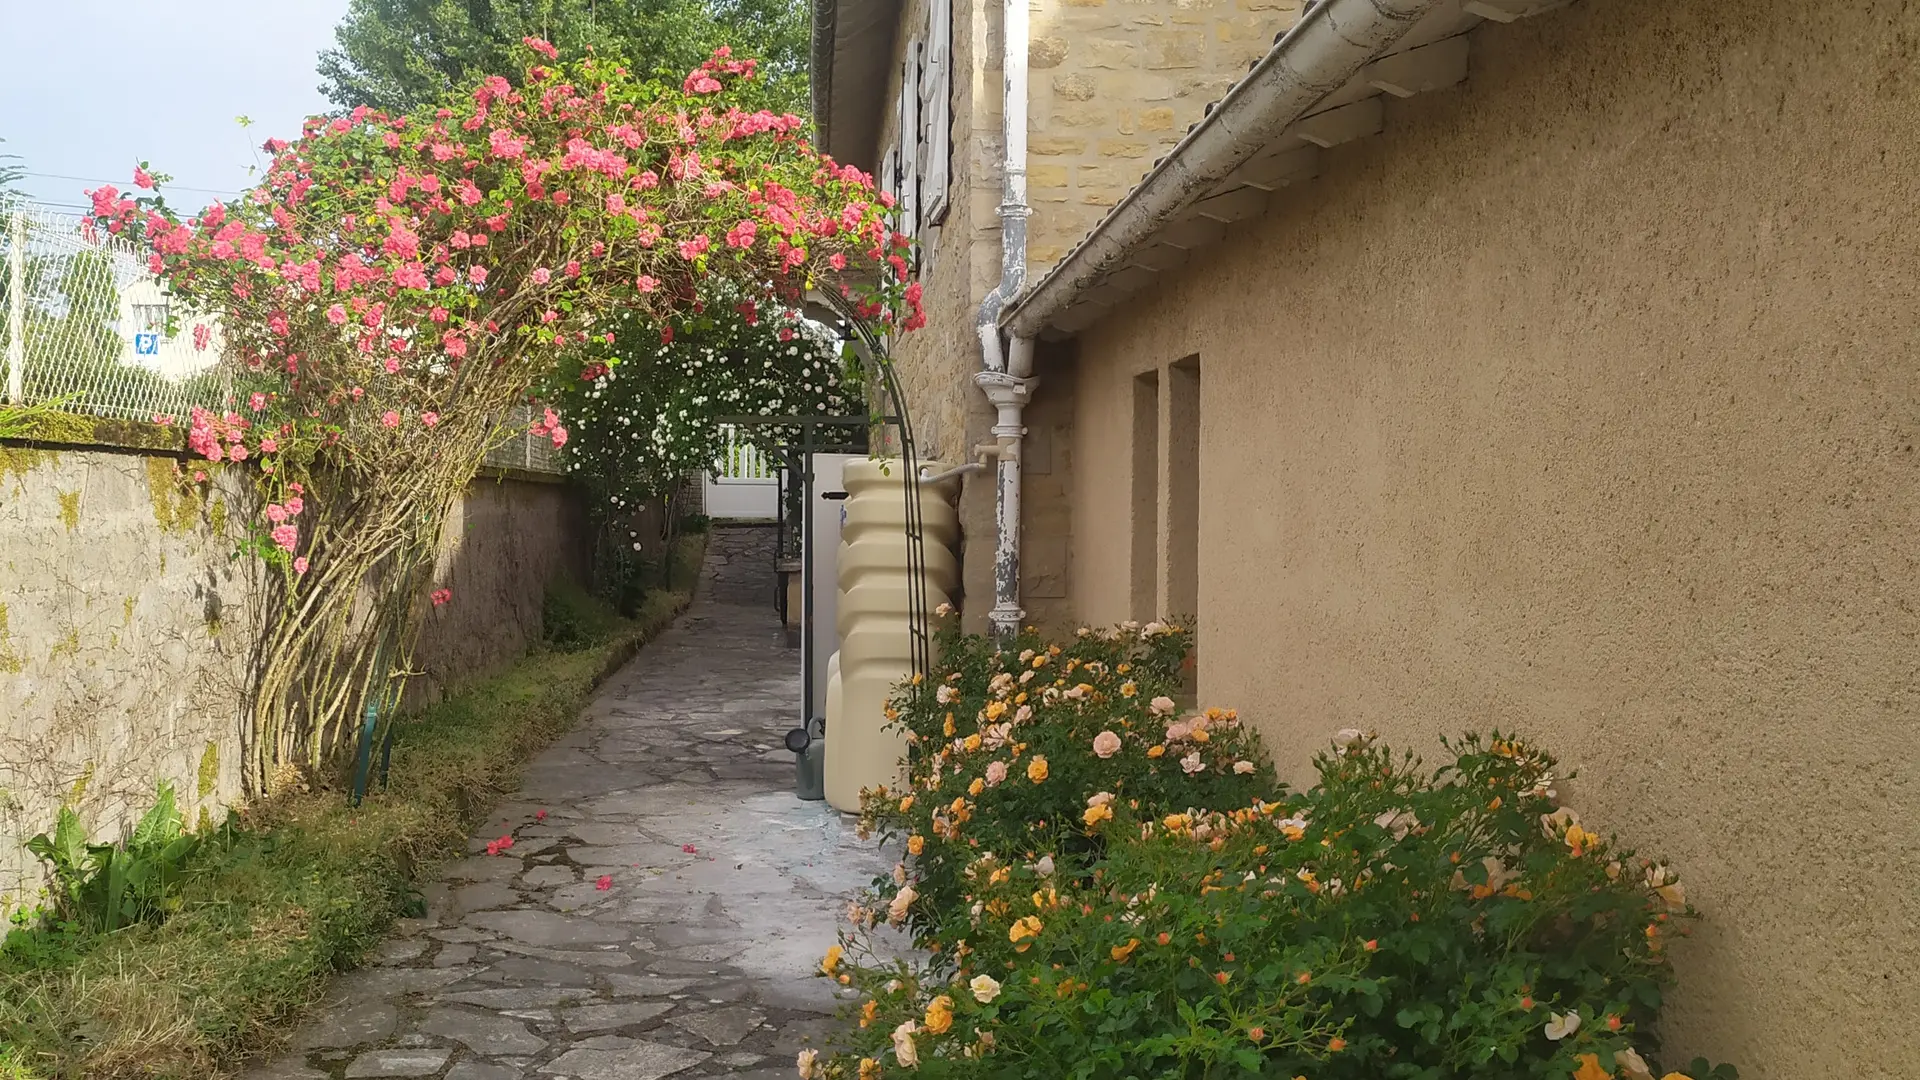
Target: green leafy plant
pixel 107 886
pixel 572 619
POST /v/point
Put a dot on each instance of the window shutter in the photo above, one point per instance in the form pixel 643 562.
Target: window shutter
pixel 890 171
pixel 910 139
pixel 936 112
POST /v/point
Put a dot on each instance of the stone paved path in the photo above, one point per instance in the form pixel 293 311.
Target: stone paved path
pixel 724 892
pixel 739 567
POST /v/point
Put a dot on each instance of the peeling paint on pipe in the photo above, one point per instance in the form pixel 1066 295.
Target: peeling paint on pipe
pixel 1006 375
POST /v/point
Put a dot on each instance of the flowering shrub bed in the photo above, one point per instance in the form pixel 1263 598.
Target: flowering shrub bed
pixel 1394 922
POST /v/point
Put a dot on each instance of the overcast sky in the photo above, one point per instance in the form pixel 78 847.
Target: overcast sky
pixel 88 88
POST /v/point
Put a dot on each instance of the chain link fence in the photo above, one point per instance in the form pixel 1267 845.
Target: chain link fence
pixel 83 323
pixel 533 453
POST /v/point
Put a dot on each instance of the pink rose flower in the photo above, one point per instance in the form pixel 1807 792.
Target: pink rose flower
pixel 286 536
pixel 300 565
pixel 430 418
pixel 1106 744
pixel 390 419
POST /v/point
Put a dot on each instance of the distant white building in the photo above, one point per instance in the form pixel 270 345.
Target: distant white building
pixel 145 306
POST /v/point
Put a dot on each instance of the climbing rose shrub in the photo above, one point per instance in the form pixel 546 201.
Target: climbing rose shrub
pixel 1007 742
pixel 645 411
pixel 405 279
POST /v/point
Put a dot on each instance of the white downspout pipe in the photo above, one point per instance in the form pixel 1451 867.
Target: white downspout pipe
pixel 1006 377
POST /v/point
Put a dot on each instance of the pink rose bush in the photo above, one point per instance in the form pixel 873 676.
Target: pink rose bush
pixel 389 267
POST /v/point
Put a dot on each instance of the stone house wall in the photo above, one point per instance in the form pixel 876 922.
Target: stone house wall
pixel 1113 85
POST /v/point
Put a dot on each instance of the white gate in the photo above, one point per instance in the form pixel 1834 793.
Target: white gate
pixel 741 483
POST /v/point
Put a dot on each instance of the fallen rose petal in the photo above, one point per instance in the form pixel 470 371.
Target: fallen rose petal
pixel 605 882
pixel 689 849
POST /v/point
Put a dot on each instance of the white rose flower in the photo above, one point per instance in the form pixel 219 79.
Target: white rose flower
pixel 1562 1025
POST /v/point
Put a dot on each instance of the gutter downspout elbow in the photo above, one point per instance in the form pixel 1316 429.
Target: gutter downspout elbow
pixel 1020 358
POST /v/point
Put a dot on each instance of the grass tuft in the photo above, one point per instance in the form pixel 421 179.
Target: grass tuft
pixel 308 887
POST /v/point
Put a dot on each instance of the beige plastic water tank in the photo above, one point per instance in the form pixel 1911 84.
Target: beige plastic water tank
pixel 873 617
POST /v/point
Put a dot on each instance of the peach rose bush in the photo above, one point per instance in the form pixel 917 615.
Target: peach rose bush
pixel 1005 746
pixel 1396 921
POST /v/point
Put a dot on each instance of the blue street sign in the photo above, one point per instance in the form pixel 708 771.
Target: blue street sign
pixel 146 344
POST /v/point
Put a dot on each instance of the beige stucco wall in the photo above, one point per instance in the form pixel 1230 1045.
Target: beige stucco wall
pixel 1583 402
pixel 125 622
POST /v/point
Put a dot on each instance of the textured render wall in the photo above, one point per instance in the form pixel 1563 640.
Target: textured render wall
pixel 1114 85
pixel 1583 402
pixel 122 645
pixel 124 626
pixel 504 541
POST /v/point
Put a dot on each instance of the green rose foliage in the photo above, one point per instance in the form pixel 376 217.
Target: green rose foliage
pixel 1005 747
pixel 1394 922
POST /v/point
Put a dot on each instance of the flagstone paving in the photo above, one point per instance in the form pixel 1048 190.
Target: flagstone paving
pixel 659 913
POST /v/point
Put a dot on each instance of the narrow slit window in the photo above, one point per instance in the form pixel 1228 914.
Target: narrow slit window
pixel 1146 494
pixel 1183 489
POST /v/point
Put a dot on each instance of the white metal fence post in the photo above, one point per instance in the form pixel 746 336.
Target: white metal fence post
pixel 17 309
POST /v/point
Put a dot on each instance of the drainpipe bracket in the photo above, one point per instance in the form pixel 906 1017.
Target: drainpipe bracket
pixel 1006 619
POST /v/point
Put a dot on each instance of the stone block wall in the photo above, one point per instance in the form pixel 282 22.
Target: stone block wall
pixel 125 623
pixel 1114 84
pixel 960 265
